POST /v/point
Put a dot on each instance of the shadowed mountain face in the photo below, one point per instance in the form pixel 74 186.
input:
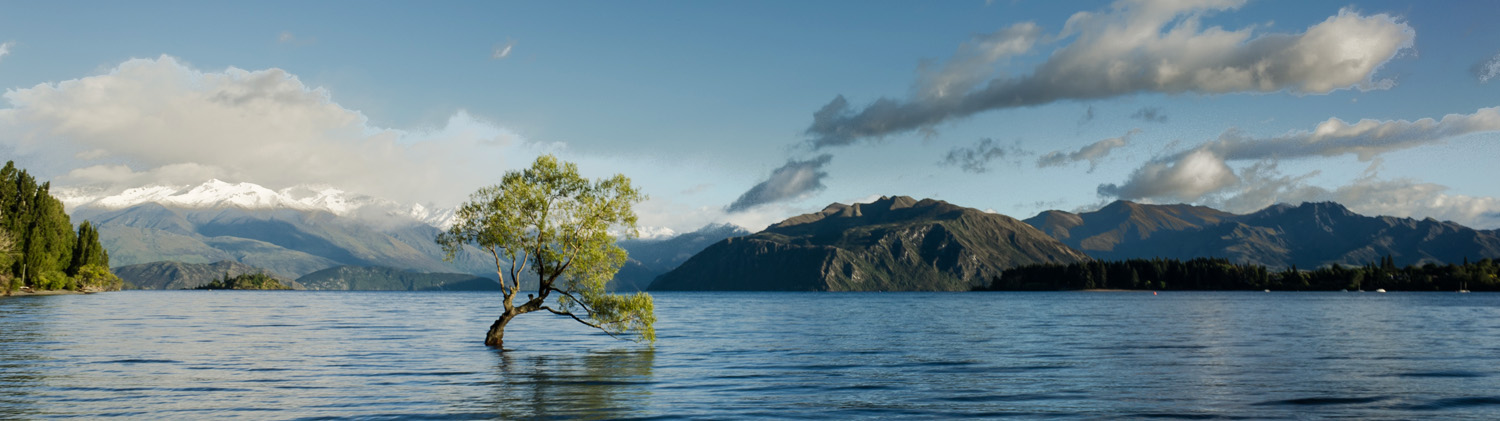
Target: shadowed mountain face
pixel 1122 222
pixel 892 244
pixel 374 278
pixel 288 243
pixel 651 258
pixel 178 275
pixel 1308 235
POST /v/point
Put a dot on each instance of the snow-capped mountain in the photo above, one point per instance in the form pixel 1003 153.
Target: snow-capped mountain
pixel 216 194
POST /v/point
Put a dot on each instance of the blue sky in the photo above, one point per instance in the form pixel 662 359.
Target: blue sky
pixel 710 106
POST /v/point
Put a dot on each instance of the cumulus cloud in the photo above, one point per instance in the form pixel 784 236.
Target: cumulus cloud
pixel 1138 46
pixel 976 159
pixel 1197 173
pixel 1150 115
pixel 502 50
pixel 1092 153
pixel 795 180
pixel 5 48
pixel 159 121
pixel 1484 70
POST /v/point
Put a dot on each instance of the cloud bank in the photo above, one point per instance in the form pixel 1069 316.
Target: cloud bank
pixel 795 180
pixel 159 121
pixel 1135 46
pixel 1203 174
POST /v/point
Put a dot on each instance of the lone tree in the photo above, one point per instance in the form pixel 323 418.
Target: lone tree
pixel 549 222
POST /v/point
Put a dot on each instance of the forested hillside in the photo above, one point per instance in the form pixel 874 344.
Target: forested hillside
pixel 39 248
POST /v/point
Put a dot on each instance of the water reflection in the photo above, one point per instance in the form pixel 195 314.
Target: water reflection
pixel 20 360
pixel 606 384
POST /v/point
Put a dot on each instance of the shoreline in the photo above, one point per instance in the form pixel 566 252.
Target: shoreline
pixel 19 293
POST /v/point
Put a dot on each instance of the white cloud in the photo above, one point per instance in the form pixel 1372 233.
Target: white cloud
pixel 1164 177
pixel 974 62
pixel 1093 153
pixel 1187 179
pixel 795 180
pixel 1136 46
pixel 1487 69
pixel 1368 195
pixel 286 36
pixel 1202 174
pixel 1364 139
pixel 5 48
pixel 159 121
pixel 503 50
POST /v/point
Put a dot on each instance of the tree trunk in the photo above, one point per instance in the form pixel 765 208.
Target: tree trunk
pixel 496 336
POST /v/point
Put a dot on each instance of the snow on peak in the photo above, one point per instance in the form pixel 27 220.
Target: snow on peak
pixel 220 194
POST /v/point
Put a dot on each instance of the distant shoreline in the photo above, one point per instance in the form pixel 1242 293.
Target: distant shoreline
pixel 19 293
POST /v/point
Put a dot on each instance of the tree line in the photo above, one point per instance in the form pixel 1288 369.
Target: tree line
pixel 39 246
pixel 1221 274
pixel 245 281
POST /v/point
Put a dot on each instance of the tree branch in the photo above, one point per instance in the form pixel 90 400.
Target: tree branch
pixel 585 322
pixel 575 299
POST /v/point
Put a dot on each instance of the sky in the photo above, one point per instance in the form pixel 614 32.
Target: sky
pixel 752 112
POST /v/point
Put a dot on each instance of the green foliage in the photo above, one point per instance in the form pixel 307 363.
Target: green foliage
pixel 97 277
pixel 38 246
pixel 1221 274
pixel 256 281
pixel 550 222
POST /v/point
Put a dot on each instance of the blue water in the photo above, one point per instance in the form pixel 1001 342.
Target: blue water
pixel 378 355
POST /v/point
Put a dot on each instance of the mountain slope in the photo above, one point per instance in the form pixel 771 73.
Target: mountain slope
pixel 178 275
pixel 892 244
pixel 1099 232
pixel 651 258
pixel 287 242
pixel 366 278
pixel 1308 235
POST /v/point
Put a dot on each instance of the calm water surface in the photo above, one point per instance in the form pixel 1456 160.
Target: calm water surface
pixel 312 355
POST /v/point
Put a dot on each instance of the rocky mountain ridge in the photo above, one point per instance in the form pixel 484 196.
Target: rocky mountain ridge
pixel 892 244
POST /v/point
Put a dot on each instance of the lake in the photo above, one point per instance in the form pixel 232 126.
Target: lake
pixel 399 355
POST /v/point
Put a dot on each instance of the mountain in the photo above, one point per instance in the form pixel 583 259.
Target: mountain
pixel 893 244
pixel 290 233
pixel 375 278
pixel 216 194
pixel 178 275
pixel 1098 233
pixel 649 258
pixel 1308 235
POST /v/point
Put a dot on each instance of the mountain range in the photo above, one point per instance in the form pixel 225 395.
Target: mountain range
pixel 294 232
pixel 178 275
pixel 289 233
pixel 649 258
pixel 1308 235
pixel 892 244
